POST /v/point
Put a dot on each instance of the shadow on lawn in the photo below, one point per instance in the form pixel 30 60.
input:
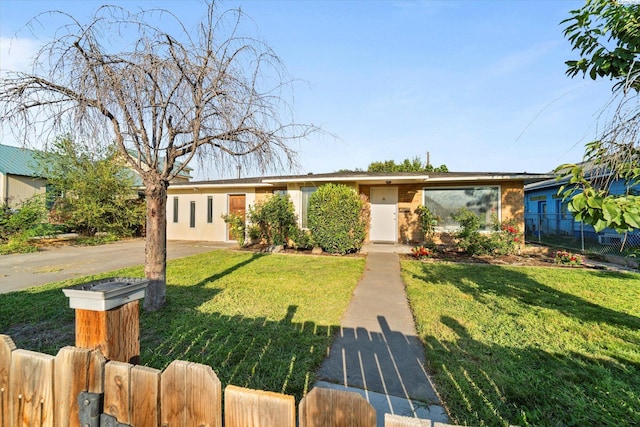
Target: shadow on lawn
pixel 498 385
pixel 513 284
pixel 275 355
pixel 257 353
pixel 486 383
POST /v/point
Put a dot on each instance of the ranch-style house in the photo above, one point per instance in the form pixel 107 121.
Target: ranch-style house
pixel 195 209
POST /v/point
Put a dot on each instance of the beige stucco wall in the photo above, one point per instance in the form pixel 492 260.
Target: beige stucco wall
pixel 15 188
pixel 217 230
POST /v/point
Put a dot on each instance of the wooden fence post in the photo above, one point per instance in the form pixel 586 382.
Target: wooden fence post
pixel 115 332
pixel 324 407
pixel 108 316
pixel 244 407
pixel 6 349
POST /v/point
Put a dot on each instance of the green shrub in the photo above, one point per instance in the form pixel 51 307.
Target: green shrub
pixel 275 219
pixel 23 220
pixel 237 227
pixel 336 219
pixel 301 239
pixel 567 258
pixel 503 240
pixel 17 244
pixel 428 222
pixel 469 237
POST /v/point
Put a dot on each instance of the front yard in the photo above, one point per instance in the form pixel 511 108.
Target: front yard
pixel 530 345
pixel 506 345
pixel 260 321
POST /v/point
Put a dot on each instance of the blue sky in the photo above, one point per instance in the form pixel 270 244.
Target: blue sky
pixel 480 85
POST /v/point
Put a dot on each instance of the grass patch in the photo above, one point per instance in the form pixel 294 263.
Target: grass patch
pixel 530 346
pixel 260 321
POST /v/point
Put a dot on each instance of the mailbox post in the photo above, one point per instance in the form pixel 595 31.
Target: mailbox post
pixel 108 316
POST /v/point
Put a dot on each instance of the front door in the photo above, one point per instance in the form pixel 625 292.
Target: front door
pixel 384 214
pixel 237 206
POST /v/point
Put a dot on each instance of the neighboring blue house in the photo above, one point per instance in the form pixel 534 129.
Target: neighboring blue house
pixel 546 214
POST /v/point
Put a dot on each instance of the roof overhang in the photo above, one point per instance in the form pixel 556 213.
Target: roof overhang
pixel 520 177
pixel 197 186
pixel 383 179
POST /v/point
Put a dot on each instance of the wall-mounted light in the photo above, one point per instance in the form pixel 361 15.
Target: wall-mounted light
pixel 387 182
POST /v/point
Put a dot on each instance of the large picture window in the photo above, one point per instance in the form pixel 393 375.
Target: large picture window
pixel 443 202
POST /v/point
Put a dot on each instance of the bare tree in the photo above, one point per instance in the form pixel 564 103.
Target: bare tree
pixel 165 99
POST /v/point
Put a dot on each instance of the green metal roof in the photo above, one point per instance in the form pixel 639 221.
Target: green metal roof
pixel 18 161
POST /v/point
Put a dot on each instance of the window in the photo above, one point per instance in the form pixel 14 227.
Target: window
pixel 443 202
pixel 564 210
pixel 280 192
pixel 192 214
pixel 175 209
pixel 209 209
pixel 304 206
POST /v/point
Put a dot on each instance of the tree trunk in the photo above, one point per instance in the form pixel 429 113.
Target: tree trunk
pixel 155 265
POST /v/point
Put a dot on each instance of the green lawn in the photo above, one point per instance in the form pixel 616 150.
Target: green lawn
pixel 260 321
pixel 530 346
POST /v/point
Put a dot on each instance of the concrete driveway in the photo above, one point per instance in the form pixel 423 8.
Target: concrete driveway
pixel 21 271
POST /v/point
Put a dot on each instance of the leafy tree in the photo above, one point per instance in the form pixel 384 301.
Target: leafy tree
pixel 607 36
pixel 336 219
pixel 204 92
pixel 95 190
pixel 407 165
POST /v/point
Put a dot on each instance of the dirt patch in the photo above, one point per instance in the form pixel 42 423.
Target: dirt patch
pixel 261 248
pixel 529 258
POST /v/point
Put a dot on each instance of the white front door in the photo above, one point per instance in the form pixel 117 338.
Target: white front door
pixel 384 214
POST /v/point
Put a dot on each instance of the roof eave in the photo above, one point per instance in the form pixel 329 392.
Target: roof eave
pixel 349 178
pixel 520 177
pixel 197 186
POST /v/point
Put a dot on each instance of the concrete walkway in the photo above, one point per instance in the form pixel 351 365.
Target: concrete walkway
pixel 378 353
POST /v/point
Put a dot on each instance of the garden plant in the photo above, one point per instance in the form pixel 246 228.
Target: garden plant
pixel 337 219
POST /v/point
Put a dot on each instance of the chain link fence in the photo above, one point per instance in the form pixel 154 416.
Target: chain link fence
pixel 560 230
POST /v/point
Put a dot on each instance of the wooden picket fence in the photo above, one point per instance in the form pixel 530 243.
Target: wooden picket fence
pixel 42 390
